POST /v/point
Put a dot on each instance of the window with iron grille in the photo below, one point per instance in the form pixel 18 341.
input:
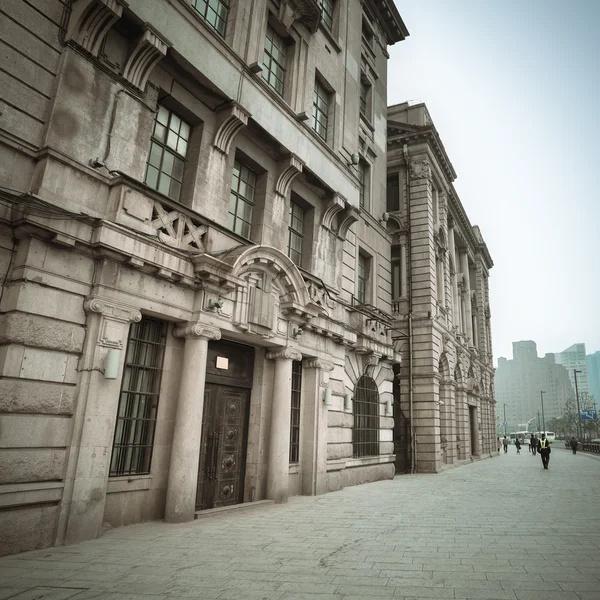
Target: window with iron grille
pixel 168 148
pixel 320 109
pixel 362 278
pixel 295 414
pixel 365 435
pixel 274 61
pixel 214 12
pixel 138 402
pixel 241 199
pixel 296 233
pixel 327 14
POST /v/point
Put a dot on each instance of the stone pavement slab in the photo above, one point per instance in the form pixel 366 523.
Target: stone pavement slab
pixel 499 529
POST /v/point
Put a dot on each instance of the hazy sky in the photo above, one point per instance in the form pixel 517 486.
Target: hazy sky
pixel 513 89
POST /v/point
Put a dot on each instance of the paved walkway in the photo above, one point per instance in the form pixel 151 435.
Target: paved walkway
pixel 477 531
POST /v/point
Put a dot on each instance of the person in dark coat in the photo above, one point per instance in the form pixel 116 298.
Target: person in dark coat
pixel 518 446
pixel 544 450
pixel 534 444
pixel 574 444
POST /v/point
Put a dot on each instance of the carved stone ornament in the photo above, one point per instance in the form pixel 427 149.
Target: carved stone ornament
pixel 197 330
pixel 231 119
pixel 371 360
pixel 289 168
pixel 347 219
pixel 420 169
pixel 318 294
pixel 336 204
pixel 115 318
pixel 151 47
pixel 318 363
pixel 284 353
pixel 90 21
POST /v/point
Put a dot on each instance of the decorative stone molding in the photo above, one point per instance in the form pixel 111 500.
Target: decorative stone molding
pixel 318 295
pixel 305 11
pixel 151 47
pixel 284 353
pixel 318 363
pixel 289 168
pixel 420 169
pixel 197 330
pixel 336 204
pixel 91 20
pixel 176 229
pixel 115 317
pixel 231 119
pixel 347 219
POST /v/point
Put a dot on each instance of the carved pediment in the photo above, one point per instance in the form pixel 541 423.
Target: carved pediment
pixel 307 12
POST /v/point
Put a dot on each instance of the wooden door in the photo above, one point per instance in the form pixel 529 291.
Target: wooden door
pixel 223 448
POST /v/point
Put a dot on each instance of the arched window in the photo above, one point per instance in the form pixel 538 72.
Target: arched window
pixel 365 435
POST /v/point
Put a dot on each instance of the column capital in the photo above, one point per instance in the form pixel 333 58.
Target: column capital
pixel 112 310
pixel 197 330
pixel 317 363
pixel 288 353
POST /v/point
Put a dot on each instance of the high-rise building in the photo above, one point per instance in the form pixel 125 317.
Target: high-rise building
pixel 574 358
pixel 593 362
pixel 520 383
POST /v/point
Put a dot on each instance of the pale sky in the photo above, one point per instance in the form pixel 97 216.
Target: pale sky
pixel 513 88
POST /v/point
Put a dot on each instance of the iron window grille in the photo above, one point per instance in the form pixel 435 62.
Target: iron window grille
pixel 365 435
pixel 327 14
pixel 241 199
pixel 296 233
pixel 214 12
pixel 295 414
pixel 168 149
pixel 138 402
pixel 274 61
pixel 362 277
pixel 320 109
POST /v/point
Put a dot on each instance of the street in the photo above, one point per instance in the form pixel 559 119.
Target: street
pixel 500 529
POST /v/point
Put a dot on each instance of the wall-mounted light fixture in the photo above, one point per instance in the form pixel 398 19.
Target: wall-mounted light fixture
pixel 354 160
pixel 111 363
pixel 215 305
pixel 327 397
pixel 348 402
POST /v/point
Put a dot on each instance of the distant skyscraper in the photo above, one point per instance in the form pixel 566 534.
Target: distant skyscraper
pixel 574 358
pixel 518 383
pixel 593 361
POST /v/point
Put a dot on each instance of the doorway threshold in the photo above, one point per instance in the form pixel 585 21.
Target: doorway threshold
pixel 211 512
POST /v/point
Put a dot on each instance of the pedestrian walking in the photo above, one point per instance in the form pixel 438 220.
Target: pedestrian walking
pixel 505 444
pixel 544 450
pixel 518 446
pixel 498 444
pixel 532 444
pixel 574 444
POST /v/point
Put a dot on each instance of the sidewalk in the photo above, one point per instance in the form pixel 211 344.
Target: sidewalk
pixel 476 531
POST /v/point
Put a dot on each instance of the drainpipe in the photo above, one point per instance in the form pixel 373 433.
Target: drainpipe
pixel 413 456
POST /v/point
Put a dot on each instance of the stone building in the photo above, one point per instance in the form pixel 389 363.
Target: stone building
pixel 440 269
pixel 519 382
pixel 196 298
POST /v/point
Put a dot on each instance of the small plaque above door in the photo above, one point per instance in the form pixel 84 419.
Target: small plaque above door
pixel 222 363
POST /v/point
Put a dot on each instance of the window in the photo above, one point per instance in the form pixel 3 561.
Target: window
pixel 241 199
pixel 396 273
pixel 295 414
pixel 274 61
pixel 168 149
pixel 367 32
pixel 362 278
pixel 363 178
pixel 327 14
pixel 365 435
pixel 393 193
pixel 320 109
pixel 214 12
pixel 365 88
pixel 296 233
pixel 138 402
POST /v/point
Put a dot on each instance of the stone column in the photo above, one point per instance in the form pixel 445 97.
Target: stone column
pixel 86 480
pixel 403 271
pixel 452 453
pixel 314 427
pixel 185 449
pixel 464 267
pixel 279 440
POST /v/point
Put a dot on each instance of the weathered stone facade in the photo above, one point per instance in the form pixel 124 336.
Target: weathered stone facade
pixel 440 267
pixel 157 160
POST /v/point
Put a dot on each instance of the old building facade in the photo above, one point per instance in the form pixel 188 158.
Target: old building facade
pixel 444 397
pixel 196 301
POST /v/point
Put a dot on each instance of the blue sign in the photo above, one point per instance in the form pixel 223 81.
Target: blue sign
pixel 505 423
pixel 589 414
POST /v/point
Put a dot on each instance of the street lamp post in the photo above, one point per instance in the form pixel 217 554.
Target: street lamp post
pixel 575 371
pixel 505 419
pixel 543 418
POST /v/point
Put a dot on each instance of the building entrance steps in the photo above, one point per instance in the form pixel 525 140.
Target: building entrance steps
pixel 501 529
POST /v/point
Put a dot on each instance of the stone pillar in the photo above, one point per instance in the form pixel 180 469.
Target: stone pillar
pixel 403 271
pixel 464 267
pixel 451 452
pixel 314 427
pixel 185 449
pixel 86 480
pixel 279 440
